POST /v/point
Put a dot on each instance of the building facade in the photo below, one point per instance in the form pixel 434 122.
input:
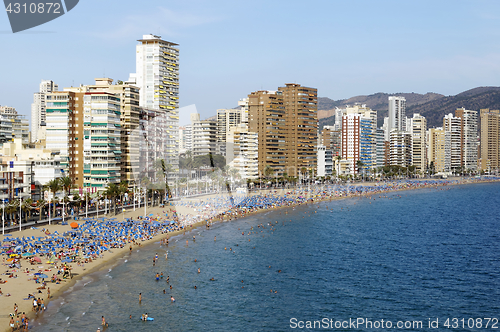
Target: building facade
pixel 38 115
pixel 490 140
pixel 468 139
pixel 301 127
pixel 157 76
pixel 397 113
pixel 266 117
pixel 242 151
pixel 439 153
pixel 419 143
pixel 400 148
pixel 453 125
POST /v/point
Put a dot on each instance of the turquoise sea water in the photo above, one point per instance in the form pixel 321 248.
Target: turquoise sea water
pixel 409 257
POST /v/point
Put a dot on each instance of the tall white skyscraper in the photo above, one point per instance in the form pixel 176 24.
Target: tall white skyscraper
pixel 38 115
pixel 157 76
pixel 397 113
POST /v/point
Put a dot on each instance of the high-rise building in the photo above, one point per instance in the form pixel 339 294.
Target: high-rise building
pixel 19 124
pixel 400 148
pixel 468 139
pixel 351 140
pixel 453 125
pixel 380 148
pixel 204 136
pixel 325 161
pixel 266 117
pixel 227 119
pixel 157 76
pixel 490 140
pixel 129 121
pixel 301 127
pixel 243 106
pixel 60 108
pixel 439 152
pixel 397 113
pixel 242 151
pixel 83 127
pixel 358 138
pixel 38 107
pixel 331 139
pixel 185 138
pixel 419 143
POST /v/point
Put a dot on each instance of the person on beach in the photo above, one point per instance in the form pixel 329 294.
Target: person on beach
pixel 11 323
pixel 157 277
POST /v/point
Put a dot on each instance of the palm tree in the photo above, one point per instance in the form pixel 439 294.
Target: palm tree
pixel 360 165
pixel 122 189
pixel 28 202
pixel 112 192
pixel 54 185
pixel 12 208
pixel 26 206
pixel 166 169
pixel 339 158
pixel 40 204
pixel 66 185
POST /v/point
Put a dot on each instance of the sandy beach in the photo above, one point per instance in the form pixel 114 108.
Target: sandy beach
pixel 195 212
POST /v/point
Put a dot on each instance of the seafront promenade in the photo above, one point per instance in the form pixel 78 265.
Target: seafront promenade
pixel 43 254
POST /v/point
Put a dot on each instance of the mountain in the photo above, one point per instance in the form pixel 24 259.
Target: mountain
pixel 433 106
pixel 474 99
pixel 377 101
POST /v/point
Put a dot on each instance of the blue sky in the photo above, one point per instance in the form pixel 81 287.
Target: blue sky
pixel 231 48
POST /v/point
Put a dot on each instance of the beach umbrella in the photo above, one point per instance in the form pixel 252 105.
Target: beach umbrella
pixel 7 235
pixel 43 276
pixel 67 260
pixel 26 254
pixel 74 225
pixel 38 259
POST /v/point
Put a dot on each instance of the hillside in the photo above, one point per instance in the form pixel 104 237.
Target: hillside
pixel 431 105
pixel 474 99
pixel 377 101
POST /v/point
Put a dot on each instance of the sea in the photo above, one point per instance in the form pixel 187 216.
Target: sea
pixel 421 260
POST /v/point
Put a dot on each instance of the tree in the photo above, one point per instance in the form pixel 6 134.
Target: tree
pixel 11 208
pixel 268 172
pixel 339 158
pixel 28 202
pixel 40 205
pixel 122 190
pixel 66 184
pixel 54 185
pixel 112 191
pixel 359 165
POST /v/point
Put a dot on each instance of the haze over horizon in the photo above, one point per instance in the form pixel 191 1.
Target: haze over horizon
pixel 229 49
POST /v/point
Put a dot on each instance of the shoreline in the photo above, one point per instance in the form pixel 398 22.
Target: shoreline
pixel 314 195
